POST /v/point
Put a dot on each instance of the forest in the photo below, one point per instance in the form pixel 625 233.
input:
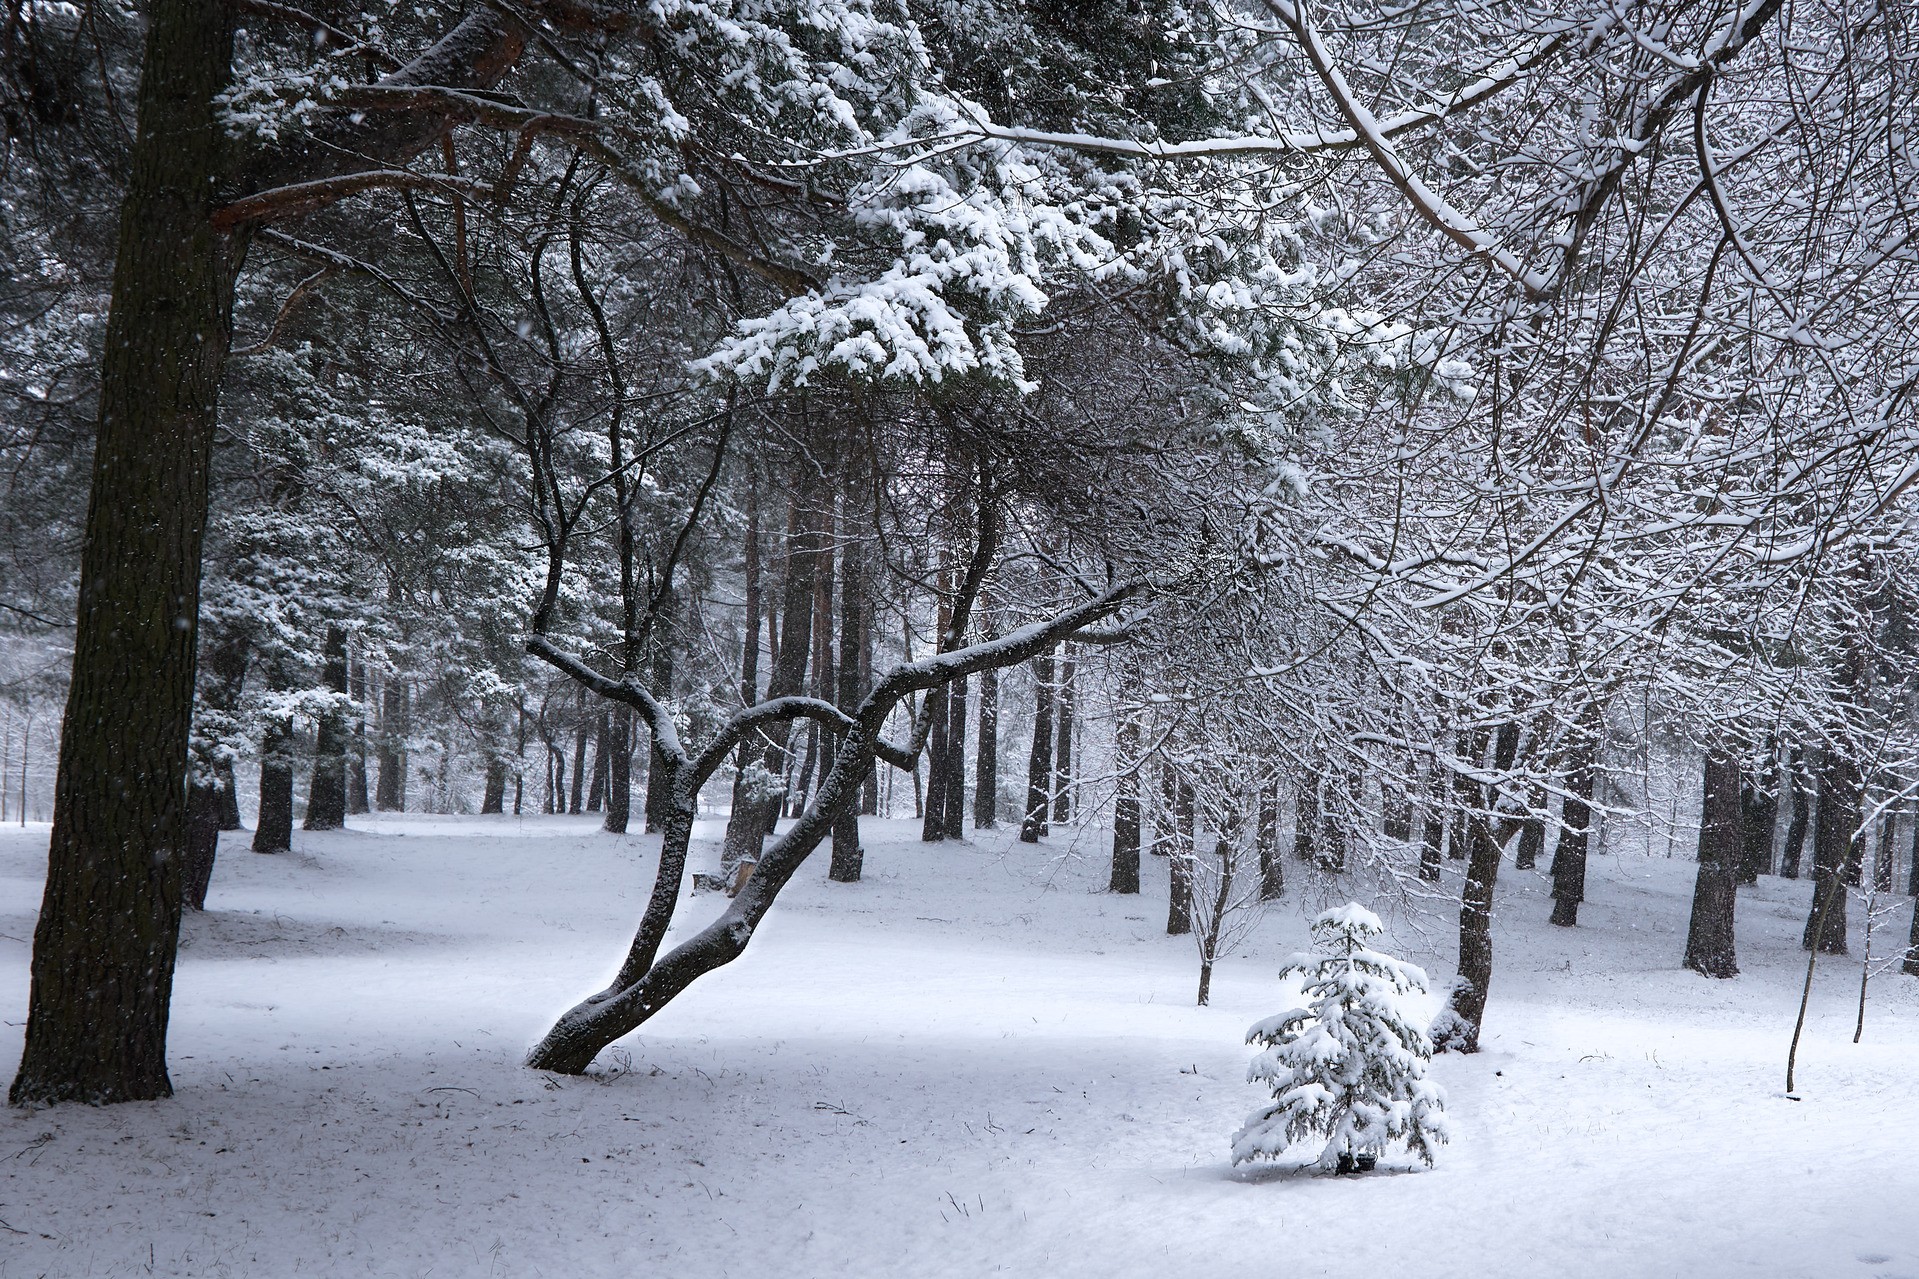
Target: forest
pixel 932 547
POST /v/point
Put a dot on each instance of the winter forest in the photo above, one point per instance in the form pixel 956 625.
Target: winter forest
pixel 1034 637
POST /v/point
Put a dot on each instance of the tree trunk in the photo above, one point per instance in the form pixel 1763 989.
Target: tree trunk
pixel 576 800
pixel 1126 823
pixel 1532 830
pixel 356 788
pixel 953 807
pixel 849 859
pixel 1039 764
pixel 1758 815
pixel 596 792
pixel 986 760
pixel 1801 820
pixel 1709 938
pixel 1433 847
pixel 326 794
pixel 1912 861
pixel 1179 900
pixel 493 799
pixel 1306 823
pixel 203 842
pixel 389 784
pixel 619 771
pixel 933 811
pixel 1467 1004
pixel 1833 829
pixel 1272 868
pixel 229 798
pixel 749 823
pixel 1575 821
pixel 108 931
pixel 1063 751
pixel 273 825
pixel 1886 854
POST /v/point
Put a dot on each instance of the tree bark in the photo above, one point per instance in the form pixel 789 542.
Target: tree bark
pixel 1834 826
pixel 1272 867
pixel 1063 751
pixel 849 858
pixel 1467 1004
pixel 1709 938
pixel 1126 823
pixel 953 807
pixel 273 825
pixel 986 758
pixel 203 842
pixel 619 771
pixel 1575 821
pixel 1532 830
pixel 933 809
pixel 1758 815
pixel 108 931
pixel 1433 846
pixel 596 792
pixel 356 788
pixel 1306 823
pixel 389 785
pixel 326 793
pixel 1801 787
pixel 1039 764
pixel 1179 899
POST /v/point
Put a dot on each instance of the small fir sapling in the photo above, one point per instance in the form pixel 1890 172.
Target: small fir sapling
pixel 1349 1067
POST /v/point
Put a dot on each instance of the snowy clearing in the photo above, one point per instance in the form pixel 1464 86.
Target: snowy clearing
pixel 972 1063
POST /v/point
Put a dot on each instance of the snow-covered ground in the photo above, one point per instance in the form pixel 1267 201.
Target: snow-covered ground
pixel 972 1063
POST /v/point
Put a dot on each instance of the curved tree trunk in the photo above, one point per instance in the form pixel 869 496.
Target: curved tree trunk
pixel 104 947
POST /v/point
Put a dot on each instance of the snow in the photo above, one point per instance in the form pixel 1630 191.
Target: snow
pixel 972 1063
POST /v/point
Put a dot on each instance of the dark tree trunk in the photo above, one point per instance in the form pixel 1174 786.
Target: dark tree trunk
pixel 108 931
pixel 1433 845
pixel 1126 823
pixel 273 825
pixel 1164 835
pixel 1179 900
pixel 1709 938
pixel 1397 820
pixel 749 823
pixel 1575 821
pixel 203 841
pixel 1306 823
pixel 1758 815
pixel 1912 861
pixel 1467 1004
pixel 954 805
pixel 1063 751
pixel 1272 867
pixel 389 785
pixel 1801 788
pixel 596 792
pixel 933 808
pixel 1911 965
pixel 229 798
pixel 1039 765
pixel 576 801
pixel 326 794
pixel 1832 843
pixel 619 771
pixel 986 761
pixel 356 788
pixel 1882 862
pixel 1532 830
pixel 849 859
pixel 493 799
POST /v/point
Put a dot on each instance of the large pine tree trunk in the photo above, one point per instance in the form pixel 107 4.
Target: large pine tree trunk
pixel 326 794
pixel 619 771
pixel 1709 938
pixel 1467 1005
pixel 1575 821
pixel 1840 785
pixel 747 826
pixel 1063 750
pixel 1126 823
pixel 203 842
pixel 1039 764
pixel 389 785
pixel 356 788
pixel 104 947
pixel 1801 785
pixel 273 825
pixel 1179 897
pixel 849 858
pixel 986 759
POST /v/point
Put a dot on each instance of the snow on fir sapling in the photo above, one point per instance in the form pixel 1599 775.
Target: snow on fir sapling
pixel 1350 1066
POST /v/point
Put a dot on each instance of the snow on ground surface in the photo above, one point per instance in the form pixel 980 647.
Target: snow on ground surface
pixel 973 1063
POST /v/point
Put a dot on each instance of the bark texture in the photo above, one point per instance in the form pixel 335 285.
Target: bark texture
pixel 1709 938
pixel 103 952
